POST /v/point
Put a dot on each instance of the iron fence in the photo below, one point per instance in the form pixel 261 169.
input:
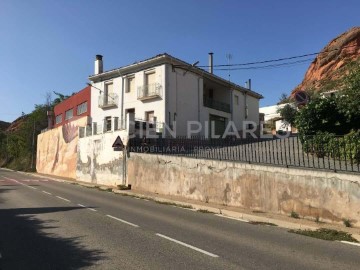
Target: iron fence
pixel 341 155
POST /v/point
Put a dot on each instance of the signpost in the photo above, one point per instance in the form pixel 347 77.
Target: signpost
pixel 301 97
pixel 118 144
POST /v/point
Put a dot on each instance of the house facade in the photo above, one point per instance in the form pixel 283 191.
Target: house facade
pixel 72 108
pixel 163 93
pixel 166 91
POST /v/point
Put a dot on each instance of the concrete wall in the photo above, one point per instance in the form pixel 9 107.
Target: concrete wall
pixel 56 149
pixel 97 162
pixel 331 196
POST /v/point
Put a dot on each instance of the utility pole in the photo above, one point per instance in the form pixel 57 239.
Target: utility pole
pixel 32 148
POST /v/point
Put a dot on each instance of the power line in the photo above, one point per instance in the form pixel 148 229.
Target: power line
pixel 280 59
pixel 267 66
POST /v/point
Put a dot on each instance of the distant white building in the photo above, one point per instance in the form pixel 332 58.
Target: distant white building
pixel 164 89
pixel 271 113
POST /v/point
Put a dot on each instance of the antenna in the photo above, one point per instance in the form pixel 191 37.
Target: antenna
pixel 229 58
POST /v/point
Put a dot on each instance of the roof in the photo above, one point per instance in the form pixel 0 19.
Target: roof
pixel 167 58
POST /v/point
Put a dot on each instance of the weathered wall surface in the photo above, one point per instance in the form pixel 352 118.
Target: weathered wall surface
pixel 331 196
pixel 56 149
pixel 97 161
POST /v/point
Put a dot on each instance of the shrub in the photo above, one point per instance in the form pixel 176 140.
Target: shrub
pixel 327 144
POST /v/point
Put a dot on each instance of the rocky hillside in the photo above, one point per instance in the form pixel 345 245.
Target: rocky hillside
pixel 4 125
pixel 16 125
pixel 331 63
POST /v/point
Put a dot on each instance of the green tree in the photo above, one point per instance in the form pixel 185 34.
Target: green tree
pixel 349 97
pixel 284 99
pixel 322 115
pixel 288 113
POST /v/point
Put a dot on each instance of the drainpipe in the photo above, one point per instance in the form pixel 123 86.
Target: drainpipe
pixel 199 103
pixel 122 97
pixel 167 122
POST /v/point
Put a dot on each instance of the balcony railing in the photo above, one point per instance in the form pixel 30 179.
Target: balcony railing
pixel 119 123
pixel 108 100
pixel 149 91
pixel 217 105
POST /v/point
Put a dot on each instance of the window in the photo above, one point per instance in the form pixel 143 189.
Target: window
pixel 108 123
pixel 108 95
pixel 82 108
pixel 109 89
pixel 58 119
pixel 236 100
pixel 149 117
pixel 150 78
pixel 69 114
pixel 130 84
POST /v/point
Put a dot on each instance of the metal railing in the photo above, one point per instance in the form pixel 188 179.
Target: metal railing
pixel 144 125
pixel 341 155
pixel 108 100
pixel 149 91
pixel 217 105
pixel 85 131
pixel 119 123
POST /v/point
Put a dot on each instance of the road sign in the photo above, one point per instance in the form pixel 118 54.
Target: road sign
pixel 118 144
pixel 301 97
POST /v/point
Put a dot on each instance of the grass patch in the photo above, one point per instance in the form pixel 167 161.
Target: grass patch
pixel 205 211
pixel 123 187
pixel 294 214
pixel 347 223
pixel 327 234
pixel 258 212
pixel 262 223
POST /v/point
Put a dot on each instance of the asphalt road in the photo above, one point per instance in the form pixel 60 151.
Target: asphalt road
pixel 46 224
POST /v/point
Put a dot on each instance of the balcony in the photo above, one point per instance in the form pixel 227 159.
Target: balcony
pixel 217 105
pixel 149 91
pixel 109 100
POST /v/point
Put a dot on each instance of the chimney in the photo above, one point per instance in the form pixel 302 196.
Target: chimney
pixel 98 64
pixel 211 63
pixel 248 84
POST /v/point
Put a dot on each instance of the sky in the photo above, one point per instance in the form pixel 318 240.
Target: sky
pixel 48 46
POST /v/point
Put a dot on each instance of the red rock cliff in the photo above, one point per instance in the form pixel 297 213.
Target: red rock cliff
pixel 332 60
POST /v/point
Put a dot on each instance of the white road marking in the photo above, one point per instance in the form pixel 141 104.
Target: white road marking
pixel 123 221
pixel 187 245
pixel 47 192
pixel 81 205
pixel 136 198
pixel 238 219
pixel 30 187
pixel 92 209
pixel 63 198
pixel 351 243
pixel 146 200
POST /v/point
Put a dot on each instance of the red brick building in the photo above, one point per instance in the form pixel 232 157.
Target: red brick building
pixel 72 108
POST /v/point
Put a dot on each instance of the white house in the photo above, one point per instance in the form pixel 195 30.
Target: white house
pixel 271 113
pixel 164 89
